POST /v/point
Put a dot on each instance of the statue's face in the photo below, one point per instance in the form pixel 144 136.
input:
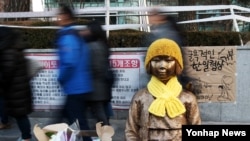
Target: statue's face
pixel 163 67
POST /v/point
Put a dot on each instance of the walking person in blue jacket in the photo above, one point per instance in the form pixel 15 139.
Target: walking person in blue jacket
pixel 74 68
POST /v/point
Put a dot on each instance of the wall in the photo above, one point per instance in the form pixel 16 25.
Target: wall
pixel 237 111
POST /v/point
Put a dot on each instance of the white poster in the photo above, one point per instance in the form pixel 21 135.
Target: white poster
pixel 128 68
pixel 129 71
pixel 47 93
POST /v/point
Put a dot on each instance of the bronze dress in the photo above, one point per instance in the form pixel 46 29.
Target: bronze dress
pixel 143 126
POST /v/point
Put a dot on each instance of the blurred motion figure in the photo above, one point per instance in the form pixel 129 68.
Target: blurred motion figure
pixel 164 26
pixel 15 81
pixel 103 77
pixel 74 68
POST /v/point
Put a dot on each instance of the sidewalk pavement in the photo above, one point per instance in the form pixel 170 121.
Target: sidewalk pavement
pixel 13 133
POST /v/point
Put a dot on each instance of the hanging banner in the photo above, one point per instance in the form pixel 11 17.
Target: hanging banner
pixel 212 71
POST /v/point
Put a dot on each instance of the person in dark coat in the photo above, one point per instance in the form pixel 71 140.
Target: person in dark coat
pixel 99 100
pixel 5 123
pixel 15 83
pixel 4 118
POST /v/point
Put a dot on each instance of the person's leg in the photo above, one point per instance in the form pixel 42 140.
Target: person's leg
pixel 75 110
pixel 24 126
pixel 98 109
pixel 60 116
pixel 4 117
pixel 108 110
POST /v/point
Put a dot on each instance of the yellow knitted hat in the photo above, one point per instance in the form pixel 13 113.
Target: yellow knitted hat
pixel 164 47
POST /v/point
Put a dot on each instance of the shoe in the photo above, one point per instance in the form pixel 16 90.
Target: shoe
pixel 5 126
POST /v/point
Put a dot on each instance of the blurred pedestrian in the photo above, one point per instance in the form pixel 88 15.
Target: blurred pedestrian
pixel 4 118
pixel 158 111
pixel 103 77
pixel 15 83
pixel 164 26
pixel 74 68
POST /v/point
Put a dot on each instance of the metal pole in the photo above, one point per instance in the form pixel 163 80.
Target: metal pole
pixel 235 24
pixel 107 3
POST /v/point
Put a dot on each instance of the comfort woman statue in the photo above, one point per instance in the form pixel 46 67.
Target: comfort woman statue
pixel 158 111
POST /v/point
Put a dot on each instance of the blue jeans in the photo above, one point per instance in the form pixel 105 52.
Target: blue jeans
pixel 75 109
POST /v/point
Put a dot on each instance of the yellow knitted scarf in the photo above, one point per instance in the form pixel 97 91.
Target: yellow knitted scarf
pixel 166 97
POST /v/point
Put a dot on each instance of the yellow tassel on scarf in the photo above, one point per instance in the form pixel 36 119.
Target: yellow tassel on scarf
pixel 166 98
